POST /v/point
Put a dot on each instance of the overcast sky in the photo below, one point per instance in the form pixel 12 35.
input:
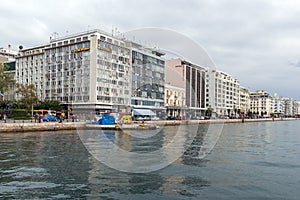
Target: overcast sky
pixel 256 41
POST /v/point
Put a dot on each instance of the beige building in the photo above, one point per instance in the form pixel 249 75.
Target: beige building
pixel 244 101
pixel 261 103
pixel 174 101
pixel 191 77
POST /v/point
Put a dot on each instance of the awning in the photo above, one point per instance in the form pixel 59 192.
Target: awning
pixel 143 112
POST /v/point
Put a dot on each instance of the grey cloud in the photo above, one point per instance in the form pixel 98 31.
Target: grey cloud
pixel 250 39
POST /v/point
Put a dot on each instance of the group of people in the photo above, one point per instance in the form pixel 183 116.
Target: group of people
pixel 3 117
pixel 38 118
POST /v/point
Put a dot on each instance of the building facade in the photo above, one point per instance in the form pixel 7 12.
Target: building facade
pixel 261 103
pixel 7 59
pixel 289 108
pixel 244 100
pixel 222 93
pixel 94 70
pixel 31 68
pixel 278 106
pixel 174 101
pixel 88 71
pixel 8 53
pixel 147 79
pixel 191 77
pixel 297 109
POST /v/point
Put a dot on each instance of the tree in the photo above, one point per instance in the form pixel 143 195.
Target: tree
pixel 5 78
pixel 28 95
pixel 209 112
pixel 48 104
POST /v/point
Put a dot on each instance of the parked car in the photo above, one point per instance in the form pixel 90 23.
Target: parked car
pixel 50 118
pixel 155 118
pixel 171 118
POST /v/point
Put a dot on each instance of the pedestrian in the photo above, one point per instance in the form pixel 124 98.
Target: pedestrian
pixel 36 117
pixel 4 118
pixel 59 119
pixel 40 118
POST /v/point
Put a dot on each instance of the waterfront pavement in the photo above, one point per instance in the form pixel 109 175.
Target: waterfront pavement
pixel 31 125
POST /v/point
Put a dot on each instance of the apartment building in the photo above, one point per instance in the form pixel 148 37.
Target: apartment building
pixel 244 100
pixel 88 70
pixel 261 103
pixel 191 77
pixel 297 109
pixel 31 67
pixel 7 58
pixel 95 70
pixel 8 53
pixel 289 108
pixel 278 106
pixel 147 78
pixel 222 93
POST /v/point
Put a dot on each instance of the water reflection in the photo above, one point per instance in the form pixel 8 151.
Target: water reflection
pixel 122 151
pixel 43 163
pixel 250 161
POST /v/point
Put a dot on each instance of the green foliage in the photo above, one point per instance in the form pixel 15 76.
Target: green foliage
pixel 28 95
pixel 48 104
pixel 18 113
pixel 208 112
pixel 5 104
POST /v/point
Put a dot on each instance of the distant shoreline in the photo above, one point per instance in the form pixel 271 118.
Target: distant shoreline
pixel 55 126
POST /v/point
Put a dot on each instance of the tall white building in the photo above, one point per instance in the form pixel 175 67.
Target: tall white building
pixel 90 70
pixel 288 107
pixel 297 108
pixel 8 53
pixel 261 103
pixel 244 101
pixel 278 106
pixel 222 93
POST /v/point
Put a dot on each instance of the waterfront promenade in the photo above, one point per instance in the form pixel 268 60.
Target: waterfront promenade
pixel 25 126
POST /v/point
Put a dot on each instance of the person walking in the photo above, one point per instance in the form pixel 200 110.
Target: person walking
pixel 4 118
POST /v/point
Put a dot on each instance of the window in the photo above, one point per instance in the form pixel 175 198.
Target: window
pixel 102 38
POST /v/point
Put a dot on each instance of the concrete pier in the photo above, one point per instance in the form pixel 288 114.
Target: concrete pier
pixel 55 126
